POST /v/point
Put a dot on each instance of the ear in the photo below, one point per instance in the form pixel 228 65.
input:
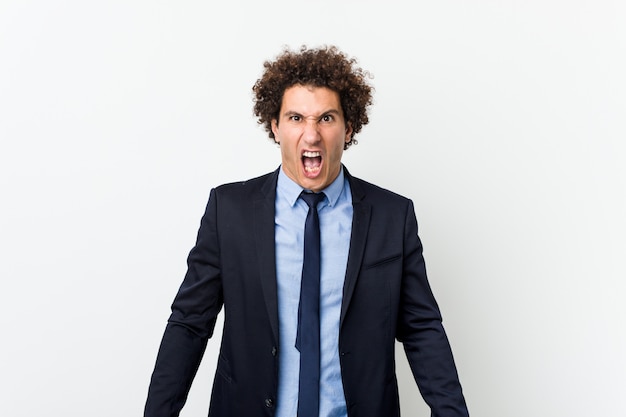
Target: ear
pixel 348 132
pixel 275 129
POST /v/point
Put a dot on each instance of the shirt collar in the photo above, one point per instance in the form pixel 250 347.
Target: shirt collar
pixel 290 190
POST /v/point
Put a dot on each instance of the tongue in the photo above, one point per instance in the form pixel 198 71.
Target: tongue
pixel 312 162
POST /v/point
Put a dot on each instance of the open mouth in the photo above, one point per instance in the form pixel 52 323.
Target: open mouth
pixel 312 162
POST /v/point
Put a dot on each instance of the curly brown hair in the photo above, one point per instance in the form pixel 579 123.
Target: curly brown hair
pixel 326 67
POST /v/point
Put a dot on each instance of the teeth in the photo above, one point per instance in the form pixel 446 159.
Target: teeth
pixel 311 154
pixel 311 169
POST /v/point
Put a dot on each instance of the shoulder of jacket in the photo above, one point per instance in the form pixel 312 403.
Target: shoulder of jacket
pixel 244 186
pixel 376 192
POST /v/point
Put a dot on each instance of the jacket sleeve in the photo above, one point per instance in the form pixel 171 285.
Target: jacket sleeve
pixel 421 331
pixel 191 323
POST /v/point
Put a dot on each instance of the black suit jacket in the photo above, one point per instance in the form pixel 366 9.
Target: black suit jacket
pixel 386 296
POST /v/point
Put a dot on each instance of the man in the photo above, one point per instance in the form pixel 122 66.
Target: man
pixel 304 336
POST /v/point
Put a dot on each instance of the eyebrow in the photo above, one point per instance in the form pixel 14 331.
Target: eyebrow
pixel 327 112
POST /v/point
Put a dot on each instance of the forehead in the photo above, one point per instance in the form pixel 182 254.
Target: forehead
pixel 306 99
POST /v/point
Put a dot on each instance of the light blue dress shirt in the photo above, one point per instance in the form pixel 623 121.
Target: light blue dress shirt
pixel 335 214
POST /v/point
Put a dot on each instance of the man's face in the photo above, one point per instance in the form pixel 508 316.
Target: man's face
pixel 311 131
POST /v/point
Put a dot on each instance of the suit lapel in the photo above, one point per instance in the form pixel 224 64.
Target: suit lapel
pixel 264 211
pixel 360 226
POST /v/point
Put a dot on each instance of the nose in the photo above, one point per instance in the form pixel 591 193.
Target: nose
pixel 311 132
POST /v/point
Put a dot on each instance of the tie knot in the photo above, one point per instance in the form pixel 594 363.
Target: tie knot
pixel 312 199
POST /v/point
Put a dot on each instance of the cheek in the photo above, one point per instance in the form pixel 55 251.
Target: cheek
pixel 289 154
pixel 337 152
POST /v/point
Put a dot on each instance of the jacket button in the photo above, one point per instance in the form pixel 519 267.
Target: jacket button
pixel 274 350
pixel 269 403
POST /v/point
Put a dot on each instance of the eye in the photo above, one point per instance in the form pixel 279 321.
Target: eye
pixel 327 118
pixel 295 118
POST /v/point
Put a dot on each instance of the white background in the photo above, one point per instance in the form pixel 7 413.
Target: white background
pixel 504 121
